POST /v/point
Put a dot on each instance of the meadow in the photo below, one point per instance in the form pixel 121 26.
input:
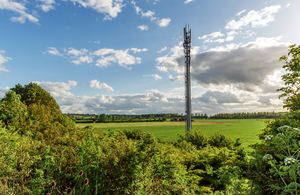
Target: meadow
pixel 245 129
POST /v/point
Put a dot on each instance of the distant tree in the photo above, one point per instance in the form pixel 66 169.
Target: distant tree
pixel 103 118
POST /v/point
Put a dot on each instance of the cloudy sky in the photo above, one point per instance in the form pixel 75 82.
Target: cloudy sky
pixel 126 56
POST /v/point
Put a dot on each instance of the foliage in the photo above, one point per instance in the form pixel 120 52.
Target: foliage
pixel 12 110
pixel 275 162
pixel 291 79
pixel 42 152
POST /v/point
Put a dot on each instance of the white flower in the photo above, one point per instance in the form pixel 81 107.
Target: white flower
pixel 280 135
pixel 284 127
pixel 269 137
pixel 289 161
pixel 268 157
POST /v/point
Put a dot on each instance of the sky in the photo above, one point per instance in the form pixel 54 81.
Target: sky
pixel 126 56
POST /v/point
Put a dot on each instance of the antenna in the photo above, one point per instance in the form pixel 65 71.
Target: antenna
pixel 187 51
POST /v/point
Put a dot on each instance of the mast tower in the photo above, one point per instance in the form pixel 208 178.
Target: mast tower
pixel 187 51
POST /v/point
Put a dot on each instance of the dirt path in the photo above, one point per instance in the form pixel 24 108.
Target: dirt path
pixel 204 122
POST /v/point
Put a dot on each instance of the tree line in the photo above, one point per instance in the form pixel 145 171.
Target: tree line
pixel 121 118
pixel 248 115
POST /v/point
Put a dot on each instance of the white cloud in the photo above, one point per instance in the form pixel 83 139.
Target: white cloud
pixel 170 61
pixel 232 33
pixel 255 18
pixel 97 85
pixel 19 9
pixel 229 38
pixel 54 51
pixel 83 59
pixel 178 89
pixel 176 78
pixel 136 50
pixel 213 37
pixel 107 56
pixel 154 101
pixel 287 5
pixel 58 89
pixel 143 27
pixel 47 5
pixel 118 56
pixel 109 7
pixel 3 91
pixel 164 22
pixel 3 59
pixel 240 12
pixel 162 49
pixel 188 1
pixel 76 52
pixel 155 76
pixel 150 14
pixel 97 42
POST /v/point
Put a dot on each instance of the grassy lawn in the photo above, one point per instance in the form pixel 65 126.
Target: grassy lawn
pixel 246 129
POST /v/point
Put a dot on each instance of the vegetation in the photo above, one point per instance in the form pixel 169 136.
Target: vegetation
pixel 43 152
pixel 275 163
pixel 113 118
pixel 248 115
pixel 169 131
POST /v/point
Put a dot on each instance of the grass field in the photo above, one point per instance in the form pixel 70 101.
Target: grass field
pixel 246 129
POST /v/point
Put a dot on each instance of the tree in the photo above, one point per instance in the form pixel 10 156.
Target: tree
pixel 12 109
pixel 291 79
pixel 103 118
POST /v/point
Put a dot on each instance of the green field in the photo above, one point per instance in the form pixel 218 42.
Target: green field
pixel 246 129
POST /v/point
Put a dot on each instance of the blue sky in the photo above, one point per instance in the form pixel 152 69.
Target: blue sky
pixel 126 57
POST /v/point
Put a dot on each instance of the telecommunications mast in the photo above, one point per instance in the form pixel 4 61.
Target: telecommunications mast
pixel 187 51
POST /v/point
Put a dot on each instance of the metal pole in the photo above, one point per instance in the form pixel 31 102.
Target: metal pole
pixel 187 51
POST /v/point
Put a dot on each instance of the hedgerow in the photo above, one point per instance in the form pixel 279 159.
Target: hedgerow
pixel 43 152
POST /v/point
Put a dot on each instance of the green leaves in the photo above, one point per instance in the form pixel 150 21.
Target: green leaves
pixel 291 79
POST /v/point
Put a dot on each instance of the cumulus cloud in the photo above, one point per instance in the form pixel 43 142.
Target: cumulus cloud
pixel 254 18
pixel 19 9
pixel 97 85
pixel 176 78
pixel 264 100
pixel 162 49
pixel 169 61
pixel 3 59
pixel 213 37
pixel 111 8
pixel 151 15
pixel 163 22
pixel 154 101
pixel 58 89
pixel 3 91
pixel 143 27
pixel 54 51
pixel 188 1
pixel 136 50
pixel 122 57
pixel 248 66
pixel 47 5
pixel 155 76
pixel 75 52
pixel 240 12
pixel 219 97
pixel 103 57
